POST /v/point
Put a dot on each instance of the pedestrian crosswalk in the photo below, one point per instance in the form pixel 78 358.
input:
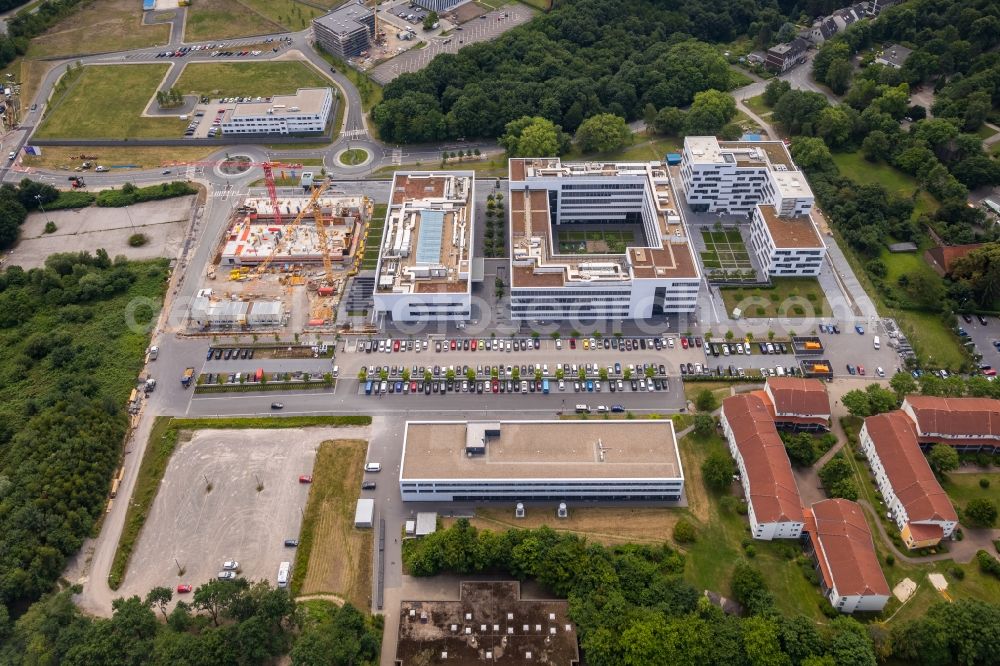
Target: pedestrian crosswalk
pixel 355 133
pixel 397 156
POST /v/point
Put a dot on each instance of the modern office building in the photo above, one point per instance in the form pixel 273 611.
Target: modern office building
pixel 970 425
pixel 346 31
pixel 773 503
pixel 918 504
pixel 841 545
pixel 424 270
pixel 512 461
pixel 305 112
pixel 597 241
pixel 786 245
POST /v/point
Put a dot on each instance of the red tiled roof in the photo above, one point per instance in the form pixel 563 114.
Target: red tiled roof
pixel 799 396
pixel 895 439
pixel 846 548
pixel 926 532
pixel 955 417
pixel 773 493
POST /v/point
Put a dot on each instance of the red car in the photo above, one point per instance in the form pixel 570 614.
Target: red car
pixel 395 345
pixel 684 342
pixel 861 369
pixel 474 345
pixel 413 387
pixel 496 385
pixel 306 478
pixel 453 345
pixel 572 343
pixel 183 588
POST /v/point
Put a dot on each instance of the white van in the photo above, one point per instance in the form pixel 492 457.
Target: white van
pixel 373 467
pixel 284 571
pixel 876 342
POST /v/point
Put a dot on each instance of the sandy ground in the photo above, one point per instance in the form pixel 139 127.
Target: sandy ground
pixel 904 589
pixel 163 222
pixel 198 530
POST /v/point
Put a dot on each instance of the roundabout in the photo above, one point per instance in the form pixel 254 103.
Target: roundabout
pixel 353 157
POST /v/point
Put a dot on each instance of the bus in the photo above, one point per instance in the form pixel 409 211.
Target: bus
pixel 284 570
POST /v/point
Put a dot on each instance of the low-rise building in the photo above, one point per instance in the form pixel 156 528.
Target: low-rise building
pixel 597 241
pixel 774 506
pixel 786 245
pixel 841 545
pixel 305 112
pixel 346 31
pixel 445 461
pixel 893 55
pixel 424 270
pixel 782 57
pixel 797 403
pixel 970 425
pixel 918 504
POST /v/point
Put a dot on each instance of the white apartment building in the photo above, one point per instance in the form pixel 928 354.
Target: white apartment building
pixel 732 177
pixel 511 461
pixel 424 270
pixel 307 111
pixel 773 504
pixel 597 241
pixel 920 507
pixel 785 246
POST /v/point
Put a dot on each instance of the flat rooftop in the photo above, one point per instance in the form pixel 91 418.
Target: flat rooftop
pixel 790 232
pixel 305 101
pixel 345 19
pixel 535 261
pixel 766 154
pixel 427 242
pixel 490 623
pixel 543 450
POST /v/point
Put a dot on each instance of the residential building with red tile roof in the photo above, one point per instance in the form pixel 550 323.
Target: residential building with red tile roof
pixel 841 544
pixel 774 506
pixel 919 506
pixel 798 403
pixel 968 424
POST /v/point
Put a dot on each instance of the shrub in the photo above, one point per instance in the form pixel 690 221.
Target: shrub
pixel 137 240
pixel 984 483
pixel 957 573
pixel 684 532
pixel 890 559
pixel 50 227
pixel 130 194
pixel 988 564
pixel 750 551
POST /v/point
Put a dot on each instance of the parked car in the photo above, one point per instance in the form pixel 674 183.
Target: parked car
pixel 306 478
pixel 291 543
pixel 860 329
pixel 367 485
pixel 226 575
pixel 230 565
pixel 277 405
pixel 183 588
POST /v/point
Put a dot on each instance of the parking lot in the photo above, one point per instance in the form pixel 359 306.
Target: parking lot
pixel 983 337
pixel 488 27
pixel 254 504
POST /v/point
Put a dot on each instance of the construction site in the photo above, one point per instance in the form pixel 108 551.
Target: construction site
pixel 283 261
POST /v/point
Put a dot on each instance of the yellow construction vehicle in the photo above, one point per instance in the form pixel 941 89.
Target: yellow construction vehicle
pixel 262 267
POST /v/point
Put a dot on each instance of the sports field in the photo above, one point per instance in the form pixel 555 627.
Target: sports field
pixel 724 250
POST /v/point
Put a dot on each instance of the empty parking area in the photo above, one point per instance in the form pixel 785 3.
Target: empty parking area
pixel 226 494
pixel 725 250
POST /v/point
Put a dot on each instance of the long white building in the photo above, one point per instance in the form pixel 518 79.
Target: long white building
pixel 512 461
pixel 307 111
pixel 597 241
pixel 920 507
pixel 424 270
pixel 786 245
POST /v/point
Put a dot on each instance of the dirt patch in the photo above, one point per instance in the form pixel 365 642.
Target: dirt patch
pixel 905 589
pixel 467 12
pixel 339 557
pixel 109 25
pixel 605 525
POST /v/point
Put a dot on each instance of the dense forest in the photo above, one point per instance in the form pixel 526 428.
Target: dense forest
pixel 224 623
pixel 68 358
pixel 26 25
pixel 583 58
pixel 632 607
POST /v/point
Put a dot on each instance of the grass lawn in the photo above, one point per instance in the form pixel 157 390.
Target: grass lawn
pixel 373 238
pixel 353 156
pixel 781 300
pixel 757 105
pixel 719 389
pixel 934 342
pixel 225 19
pixel 725 250
pixel 964 487
pixel 255 79
pixel 68 157
pixel 109 25
pixel 289 13
pixel 855 166
pixel 985 132
pixel 333 557
pixel 106 102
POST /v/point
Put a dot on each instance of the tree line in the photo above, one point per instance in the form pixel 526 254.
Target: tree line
pixel 224 623
pixel 583 58
pixel 22 27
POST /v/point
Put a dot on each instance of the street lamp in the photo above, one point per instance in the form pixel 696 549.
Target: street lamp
pixel 38 198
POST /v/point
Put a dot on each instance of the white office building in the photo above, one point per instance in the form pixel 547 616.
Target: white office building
pixel 512 461
pixel 424 270
pixel 597 241
pixel 305 112
pixel 786 245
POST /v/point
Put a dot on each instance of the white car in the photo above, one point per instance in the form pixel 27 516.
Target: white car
pixel 230 565
pixel 879 371
pixel 562 385
pixel 226 575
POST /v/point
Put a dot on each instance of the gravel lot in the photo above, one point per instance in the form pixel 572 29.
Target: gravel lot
pixel 199 529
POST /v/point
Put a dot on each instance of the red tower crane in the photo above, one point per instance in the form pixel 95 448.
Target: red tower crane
pixel 268 168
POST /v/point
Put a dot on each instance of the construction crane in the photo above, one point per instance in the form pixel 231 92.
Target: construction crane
pixel 268 168
pixel 323 243
pixel 262 266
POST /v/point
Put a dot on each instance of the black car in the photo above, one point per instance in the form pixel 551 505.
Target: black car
pixel 291 543
pixel 538 344
pixel 244 353
pixel 367 485
pixel 277 405
pixel 210 352
pixel 982 319
pixel 967 319
pixel 635 385
pixel 229 354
